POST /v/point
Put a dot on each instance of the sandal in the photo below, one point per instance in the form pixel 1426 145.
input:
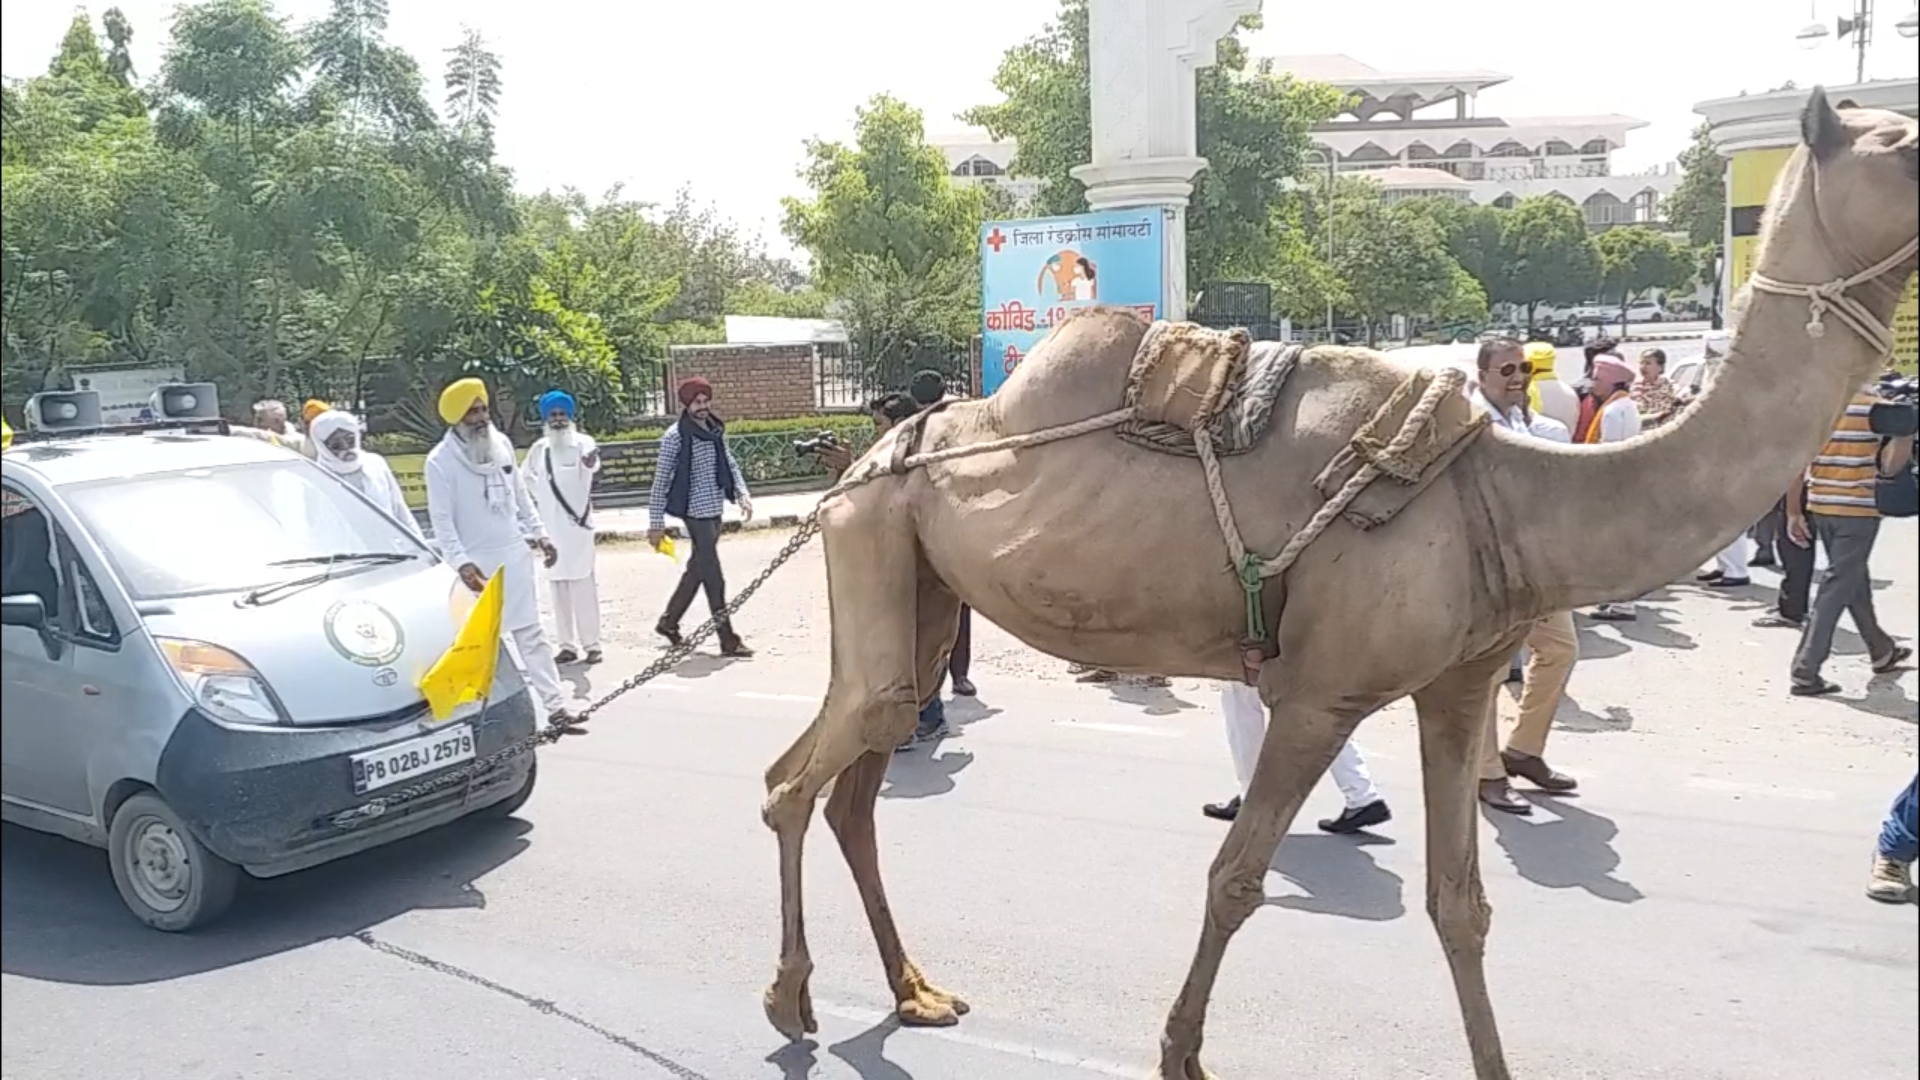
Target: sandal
pixel 1900 655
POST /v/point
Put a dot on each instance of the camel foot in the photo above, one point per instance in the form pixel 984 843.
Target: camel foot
pixel 926 1005
pixel 789 1004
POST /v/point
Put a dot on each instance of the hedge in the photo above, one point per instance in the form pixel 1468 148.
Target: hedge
pixel 393 442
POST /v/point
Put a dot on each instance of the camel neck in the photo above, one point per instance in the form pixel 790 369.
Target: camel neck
pixel 1608 523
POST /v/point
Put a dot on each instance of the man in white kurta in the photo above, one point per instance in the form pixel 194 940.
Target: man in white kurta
pixel 484 523
pixel 335 438
pixel 560 469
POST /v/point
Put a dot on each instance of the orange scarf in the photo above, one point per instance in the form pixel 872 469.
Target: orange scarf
pixel 1590 431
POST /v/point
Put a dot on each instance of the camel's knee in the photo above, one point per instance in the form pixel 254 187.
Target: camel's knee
pixel 788 765
pixel 1460 912
pixel 789 807
pixel 1234 893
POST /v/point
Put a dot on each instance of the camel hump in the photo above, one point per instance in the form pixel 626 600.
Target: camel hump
pixel 1183 374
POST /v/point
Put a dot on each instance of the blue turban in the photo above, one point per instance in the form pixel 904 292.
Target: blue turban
pixel 556 401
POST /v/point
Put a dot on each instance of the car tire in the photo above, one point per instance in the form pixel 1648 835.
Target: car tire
pixel 511 805
pixel 166 876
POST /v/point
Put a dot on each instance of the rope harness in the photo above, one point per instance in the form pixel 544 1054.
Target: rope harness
pixel 1833 297
pixel 1252 570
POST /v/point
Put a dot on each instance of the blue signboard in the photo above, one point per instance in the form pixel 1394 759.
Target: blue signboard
pixel 1033 272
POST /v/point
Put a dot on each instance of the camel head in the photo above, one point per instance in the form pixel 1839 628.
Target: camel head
pixel 1866 175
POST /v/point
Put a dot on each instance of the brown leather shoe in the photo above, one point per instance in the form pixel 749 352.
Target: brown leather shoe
pixel 1536 771
pixel 1500 795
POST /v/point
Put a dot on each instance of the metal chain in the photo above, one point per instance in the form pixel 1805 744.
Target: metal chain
pixel 570 724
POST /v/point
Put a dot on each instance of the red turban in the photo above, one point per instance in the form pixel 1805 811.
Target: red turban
pixel 693 388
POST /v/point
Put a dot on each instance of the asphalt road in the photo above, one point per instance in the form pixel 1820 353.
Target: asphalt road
pixel 1696 912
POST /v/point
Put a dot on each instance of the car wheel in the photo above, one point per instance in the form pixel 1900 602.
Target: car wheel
pixel 511 805
pixel 166 876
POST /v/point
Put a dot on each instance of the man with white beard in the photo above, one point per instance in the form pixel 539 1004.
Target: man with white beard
pixel 335 436
pixel 560 471
pixel 485 523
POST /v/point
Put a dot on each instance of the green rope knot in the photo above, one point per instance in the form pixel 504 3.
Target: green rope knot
pixel 1252 582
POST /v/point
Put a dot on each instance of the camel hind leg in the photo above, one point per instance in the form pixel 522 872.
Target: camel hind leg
pixel 850 815
pixel 872 565
pixel 1453 724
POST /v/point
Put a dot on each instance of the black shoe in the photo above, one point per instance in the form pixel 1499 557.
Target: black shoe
pixel 1708 575
pixel 593 656
pixel 1223 811
pixel 669 631
pixel 963 687
pixel 1516 675
pixel 1777 621
pixel 1356 819
pixel 735 649
pixel 1892 661
pixel 1762 560
pixel 1817 688
pixel 565 656
pixel 1729 583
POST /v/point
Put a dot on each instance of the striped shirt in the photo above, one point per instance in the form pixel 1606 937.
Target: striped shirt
pixel 704 497
pixel 1841 481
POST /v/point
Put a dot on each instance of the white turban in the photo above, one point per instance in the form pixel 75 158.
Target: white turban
pixel 328 424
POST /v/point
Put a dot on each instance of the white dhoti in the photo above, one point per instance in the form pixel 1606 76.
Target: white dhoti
pixel 1246 719
pixel 1734 559
pixel 576 613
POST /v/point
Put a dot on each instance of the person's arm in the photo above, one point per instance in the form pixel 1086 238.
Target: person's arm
pixel 663 480
pixel 741 495
pixel 589 455
pixel 533 473
pixel 1797 530
pixel 399 509
pixel 440 496
pixel 531 527
pixel 1895 454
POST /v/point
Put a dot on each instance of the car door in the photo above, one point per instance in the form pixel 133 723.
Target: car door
pixel 62 684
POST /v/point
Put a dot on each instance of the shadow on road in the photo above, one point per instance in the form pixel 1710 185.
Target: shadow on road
pixel 1152 700
pixel 1572 716
pixel 1886 697
pixel 1570 849
pixel 1656 627
pixel 63 921
pixel 867 1053
pixel 913 775
pixel 1339 878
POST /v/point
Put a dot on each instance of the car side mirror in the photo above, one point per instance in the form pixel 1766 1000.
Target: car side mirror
pixel 25 610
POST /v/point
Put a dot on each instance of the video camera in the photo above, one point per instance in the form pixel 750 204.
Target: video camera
pixel 1897 414
pixel 815 443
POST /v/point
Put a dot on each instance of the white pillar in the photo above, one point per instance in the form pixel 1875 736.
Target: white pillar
pixel 1143 56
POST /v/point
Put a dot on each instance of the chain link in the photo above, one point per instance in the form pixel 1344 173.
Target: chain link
pixel 565 724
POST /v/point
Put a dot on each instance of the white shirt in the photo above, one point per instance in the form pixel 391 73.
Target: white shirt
pixel 574 477
pixel 1558 401
pixel 470 530
pixel 1620 421
pixel 1516 420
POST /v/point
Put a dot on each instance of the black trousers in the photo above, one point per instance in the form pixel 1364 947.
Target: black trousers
pixel 702 572
pixel 1796 565
pixel 960 660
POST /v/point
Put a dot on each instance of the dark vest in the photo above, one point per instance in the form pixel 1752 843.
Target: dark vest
pixel 679 491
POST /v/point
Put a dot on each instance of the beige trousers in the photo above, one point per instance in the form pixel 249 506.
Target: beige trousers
pixel 1552 646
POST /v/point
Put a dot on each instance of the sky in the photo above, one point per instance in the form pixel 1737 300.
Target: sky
pixel 719 96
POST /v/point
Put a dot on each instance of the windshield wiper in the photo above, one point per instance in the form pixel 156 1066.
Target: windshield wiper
pixel 267 594
pixel 349 557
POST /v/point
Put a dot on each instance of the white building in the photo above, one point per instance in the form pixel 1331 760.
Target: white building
pixel 974 158
pixel 1401 124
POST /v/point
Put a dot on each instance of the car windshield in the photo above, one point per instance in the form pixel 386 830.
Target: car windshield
pixel 226 529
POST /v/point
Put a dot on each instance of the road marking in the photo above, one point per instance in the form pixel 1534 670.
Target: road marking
pixel 1736 787
pixel 758 696
pixel 1120 729
pixel 955 1035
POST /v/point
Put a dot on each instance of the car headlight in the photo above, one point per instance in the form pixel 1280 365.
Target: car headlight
pixel 460 603
pixel 222 683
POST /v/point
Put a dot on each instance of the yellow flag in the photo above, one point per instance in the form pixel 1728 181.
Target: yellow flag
pixel 665 547
pixel 465 672
pixel 6 434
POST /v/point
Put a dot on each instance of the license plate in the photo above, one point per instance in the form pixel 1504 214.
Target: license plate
pixel 390 765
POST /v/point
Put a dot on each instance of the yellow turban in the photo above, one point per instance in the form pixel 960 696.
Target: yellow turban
pixel 1541 354
pixel 457 398
pixel 314 407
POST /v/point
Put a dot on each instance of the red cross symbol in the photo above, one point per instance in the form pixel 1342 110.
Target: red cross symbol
pixel 996 239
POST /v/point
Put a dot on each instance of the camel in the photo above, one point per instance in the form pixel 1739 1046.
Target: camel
pixel 1048 542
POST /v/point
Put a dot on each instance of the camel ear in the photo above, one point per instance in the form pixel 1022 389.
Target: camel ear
pixel 1821 127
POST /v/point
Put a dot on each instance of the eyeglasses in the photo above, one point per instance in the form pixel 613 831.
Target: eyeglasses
pixel 1524 367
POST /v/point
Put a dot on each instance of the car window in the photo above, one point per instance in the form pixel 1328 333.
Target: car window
pixel 93 620
pixel 27 566
pixel 225 529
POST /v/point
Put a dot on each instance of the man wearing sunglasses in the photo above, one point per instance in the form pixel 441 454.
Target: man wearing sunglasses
pixel 1552 643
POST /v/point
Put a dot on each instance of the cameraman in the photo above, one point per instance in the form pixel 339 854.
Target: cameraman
pixel 1842 501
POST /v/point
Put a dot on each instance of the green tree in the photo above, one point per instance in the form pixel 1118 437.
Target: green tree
pixel 1393 260
pixel 891 238
pixel 473 82
pixel 1253 129
pixel 1549 254
pixel 1635 260
pixel 1698 205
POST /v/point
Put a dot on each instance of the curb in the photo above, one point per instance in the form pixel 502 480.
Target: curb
pixel 639 536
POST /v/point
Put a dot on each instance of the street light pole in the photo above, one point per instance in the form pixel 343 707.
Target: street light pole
pixel 1859 27
pixel 1326 159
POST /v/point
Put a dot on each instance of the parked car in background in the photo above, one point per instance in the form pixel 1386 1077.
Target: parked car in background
pixel 211 654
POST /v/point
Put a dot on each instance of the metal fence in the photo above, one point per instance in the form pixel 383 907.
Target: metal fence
pixel 844 381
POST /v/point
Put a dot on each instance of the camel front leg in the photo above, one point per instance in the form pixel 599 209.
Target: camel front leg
pixel 1301 742
pixel 1453 711
pixel 788 811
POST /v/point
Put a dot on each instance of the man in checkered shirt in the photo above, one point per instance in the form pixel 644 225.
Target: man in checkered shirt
pixel 694 479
